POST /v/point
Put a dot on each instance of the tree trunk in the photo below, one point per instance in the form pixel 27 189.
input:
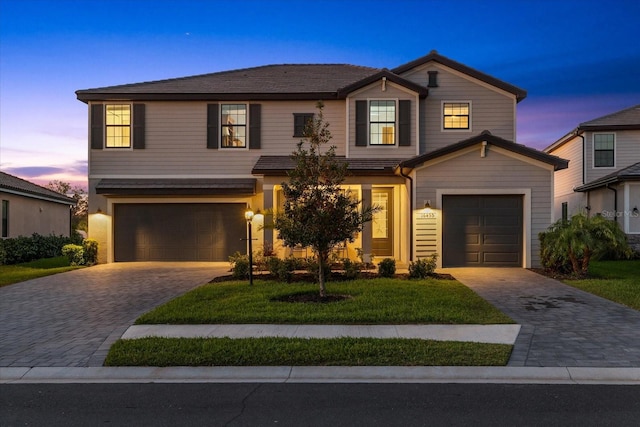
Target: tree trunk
pixel 574 263
pixel 322 261
pixel 585 262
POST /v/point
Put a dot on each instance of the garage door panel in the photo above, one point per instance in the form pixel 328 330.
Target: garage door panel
pixel 178 232
pixel 482 230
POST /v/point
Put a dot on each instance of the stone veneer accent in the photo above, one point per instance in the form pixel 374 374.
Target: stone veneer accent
pixel 634 242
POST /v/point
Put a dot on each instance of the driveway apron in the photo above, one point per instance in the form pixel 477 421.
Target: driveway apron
pixel 71 319
pixel 561 325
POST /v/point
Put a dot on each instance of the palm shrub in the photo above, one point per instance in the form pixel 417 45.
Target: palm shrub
pixel 569 246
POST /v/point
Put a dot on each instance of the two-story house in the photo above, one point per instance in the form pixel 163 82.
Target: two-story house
pixel 603 177
pixel 173 164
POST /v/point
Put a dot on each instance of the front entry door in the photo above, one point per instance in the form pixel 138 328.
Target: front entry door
pixel 382 224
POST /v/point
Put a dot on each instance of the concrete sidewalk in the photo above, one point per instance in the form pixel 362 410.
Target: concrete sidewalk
pixel 494 334
pixel 323 374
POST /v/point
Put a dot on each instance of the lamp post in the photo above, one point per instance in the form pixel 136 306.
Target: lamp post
pixel 248 215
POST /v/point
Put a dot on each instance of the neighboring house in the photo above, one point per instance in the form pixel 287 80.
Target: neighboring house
pixel 603 177
pixel 173 164
pixel 28 208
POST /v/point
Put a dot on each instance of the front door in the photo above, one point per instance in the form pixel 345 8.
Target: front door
pixel 382 224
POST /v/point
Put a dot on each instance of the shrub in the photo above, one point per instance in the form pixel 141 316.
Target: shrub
pixel 74 253
pixel 21 249
pixel 282 269
pixel 569 246
pixel 387 267
pixel 423 268
pixel 351 268
pixel 240 269
pixel 90 247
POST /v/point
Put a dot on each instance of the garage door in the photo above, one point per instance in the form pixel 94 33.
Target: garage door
pixel 482 231
pixel 178 232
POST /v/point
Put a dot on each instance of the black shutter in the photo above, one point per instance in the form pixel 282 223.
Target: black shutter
pixel 254 126
pixel 97 126
pixel 361 123
pixel 138 126
pixel 212 126
pixel 404 128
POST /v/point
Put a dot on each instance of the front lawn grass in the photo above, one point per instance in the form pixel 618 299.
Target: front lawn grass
pixel 617 281
pixel 10 274
pixel 304 352
pixel 373 301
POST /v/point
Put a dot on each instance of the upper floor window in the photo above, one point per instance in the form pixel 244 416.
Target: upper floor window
pixel 118 125
pixel 604 150
pixel 234 125
pixel 456 115
pixel 382 122
pixel 300 121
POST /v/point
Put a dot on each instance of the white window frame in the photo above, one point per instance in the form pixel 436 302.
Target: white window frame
pixel 395 123
pixel 246 127
pixel 106 126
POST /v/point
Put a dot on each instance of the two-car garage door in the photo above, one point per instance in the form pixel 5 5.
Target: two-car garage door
pixel 178 231
pixel 482 230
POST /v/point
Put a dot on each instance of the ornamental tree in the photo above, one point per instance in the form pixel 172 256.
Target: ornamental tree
pixel 318 212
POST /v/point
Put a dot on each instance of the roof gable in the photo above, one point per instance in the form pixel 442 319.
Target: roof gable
pixel 13 184
pixel 436 57
pixel 532 153
pixel 387 75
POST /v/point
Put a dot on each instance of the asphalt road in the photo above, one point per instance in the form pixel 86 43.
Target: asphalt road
pixel 280 404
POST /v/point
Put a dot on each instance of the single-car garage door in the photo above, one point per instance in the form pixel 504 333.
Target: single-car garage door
pixel 178 231
pixel 482 231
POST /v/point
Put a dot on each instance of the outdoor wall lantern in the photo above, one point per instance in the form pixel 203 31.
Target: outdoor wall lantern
pixel 635 210
pixel 248 215
pixel 427 204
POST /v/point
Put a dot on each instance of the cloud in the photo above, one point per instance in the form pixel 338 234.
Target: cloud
pixel 75 173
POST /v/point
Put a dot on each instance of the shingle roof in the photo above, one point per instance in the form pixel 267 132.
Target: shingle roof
pixel 557 162
pixel 13 184
pixel 279 165
pixel 628 118
pixel 630 173
pixel 304 81
pixel 182 186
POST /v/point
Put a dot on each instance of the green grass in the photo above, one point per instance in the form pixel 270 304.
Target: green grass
pixel 375 301
pixel 304 352
pixel 10 274
pixel 617 281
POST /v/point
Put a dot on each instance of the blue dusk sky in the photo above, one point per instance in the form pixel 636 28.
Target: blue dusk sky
pixel 578 60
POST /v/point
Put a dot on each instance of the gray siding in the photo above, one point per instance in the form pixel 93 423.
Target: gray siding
pixel 472 172
pixel 492 109
pixel 176 136
pixel 627 152
pixel 374 92
pixel 566 180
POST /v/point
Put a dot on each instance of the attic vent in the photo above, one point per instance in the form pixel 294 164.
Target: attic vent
pixel 433 79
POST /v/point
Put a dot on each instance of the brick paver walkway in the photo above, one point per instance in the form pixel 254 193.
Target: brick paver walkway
pixel 71 319
pixel 561 325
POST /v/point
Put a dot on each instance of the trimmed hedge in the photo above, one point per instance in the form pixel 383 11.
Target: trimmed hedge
pixel 21 249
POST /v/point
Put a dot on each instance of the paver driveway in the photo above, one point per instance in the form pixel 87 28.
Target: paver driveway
pixel 71 319
pixel 561 325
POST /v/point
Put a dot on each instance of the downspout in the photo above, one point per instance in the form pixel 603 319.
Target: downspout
pixel 615 203
pixel 584 157
pixel 410 210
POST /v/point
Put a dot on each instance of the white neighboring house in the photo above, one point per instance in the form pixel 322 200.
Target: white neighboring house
pixel 603 177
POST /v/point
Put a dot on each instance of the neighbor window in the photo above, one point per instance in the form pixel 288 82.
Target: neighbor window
pixel 455 115
pixel 5 218
pixel 382 122
pixel 565 211
pixel 118 125
pixel 603 150
pixel 300 121
pixel 234 125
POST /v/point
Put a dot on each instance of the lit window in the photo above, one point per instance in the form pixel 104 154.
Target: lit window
pixel 603 150
pixel 234 125
pixel 382 122
pixel 118 125
pixel 455 115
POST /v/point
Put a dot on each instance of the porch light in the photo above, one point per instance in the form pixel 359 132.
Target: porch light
pixel 427 204
pixel 635 210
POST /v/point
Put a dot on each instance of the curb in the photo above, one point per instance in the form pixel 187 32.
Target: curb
pixel 323 374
